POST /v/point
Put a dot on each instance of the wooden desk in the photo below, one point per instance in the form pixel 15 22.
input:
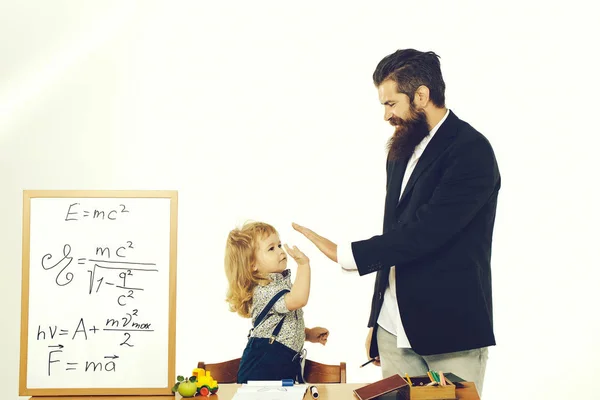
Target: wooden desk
pixel 337 391
pixel 334 391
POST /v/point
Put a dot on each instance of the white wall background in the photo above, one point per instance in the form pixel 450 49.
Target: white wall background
pixel 266 111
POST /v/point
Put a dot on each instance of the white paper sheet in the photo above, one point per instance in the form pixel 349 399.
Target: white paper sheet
pixel 270 392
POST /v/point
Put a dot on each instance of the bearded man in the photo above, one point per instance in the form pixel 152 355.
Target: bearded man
pixel 432 301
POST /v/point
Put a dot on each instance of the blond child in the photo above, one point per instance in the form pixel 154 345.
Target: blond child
pixel 260 288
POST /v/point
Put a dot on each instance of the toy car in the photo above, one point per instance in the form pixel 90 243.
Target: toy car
pixel 204 382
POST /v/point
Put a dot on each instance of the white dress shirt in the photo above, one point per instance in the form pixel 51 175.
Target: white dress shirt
pixel 389 317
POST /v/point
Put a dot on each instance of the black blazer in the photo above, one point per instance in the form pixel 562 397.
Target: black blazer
pixel 439 237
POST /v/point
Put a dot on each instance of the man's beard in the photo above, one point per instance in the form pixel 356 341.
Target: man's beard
pixel 409 133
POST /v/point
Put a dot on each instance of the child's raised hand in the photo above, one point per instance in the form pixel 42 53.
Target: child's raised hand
pixel 317 335
pixel 297 255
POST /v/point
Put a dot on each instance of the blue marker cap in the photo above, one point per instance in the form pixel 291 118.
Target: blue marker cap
pixel 287 382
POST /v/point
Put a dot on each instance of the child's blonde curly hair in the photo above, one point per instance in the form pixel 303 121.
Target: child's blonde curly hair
pixel 240 259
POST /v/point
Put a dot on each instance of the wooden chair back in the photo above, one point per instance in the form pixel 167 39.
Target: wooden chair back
pixel 314 372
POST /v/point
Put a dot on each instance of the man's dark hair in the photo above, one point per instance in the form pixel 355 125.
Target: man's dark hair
pixel 411 68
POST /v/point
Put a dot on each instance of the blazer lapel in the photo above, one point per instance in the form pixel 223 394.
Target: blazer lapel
pixel 440 141
pixel 395 174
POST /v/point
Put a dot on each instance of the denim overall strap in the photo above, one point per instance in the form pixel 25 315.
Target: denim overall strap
pixel 268 307
pixel 276 330
pixel 264 313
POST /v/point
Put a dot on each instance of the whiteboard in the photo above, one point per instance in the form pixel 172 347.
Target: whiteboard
pixel 98 298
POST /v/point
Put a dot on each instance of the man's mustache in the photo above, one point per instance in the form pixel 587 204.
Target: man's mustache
pixel 396 121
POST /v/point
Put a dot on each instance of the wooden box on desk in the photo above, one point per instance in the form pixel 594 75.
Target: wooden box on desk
pixel 419 390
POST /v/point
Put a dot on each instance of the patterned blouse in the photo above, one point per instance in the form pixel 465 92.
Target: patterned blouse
pixel 292 331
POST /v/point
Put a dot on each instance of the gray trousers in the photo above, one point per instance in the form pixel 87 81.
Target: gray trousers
pixel 469 364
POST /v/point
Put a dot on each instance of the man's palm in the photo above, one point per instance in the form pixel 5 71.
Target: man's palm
pixel 326 246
